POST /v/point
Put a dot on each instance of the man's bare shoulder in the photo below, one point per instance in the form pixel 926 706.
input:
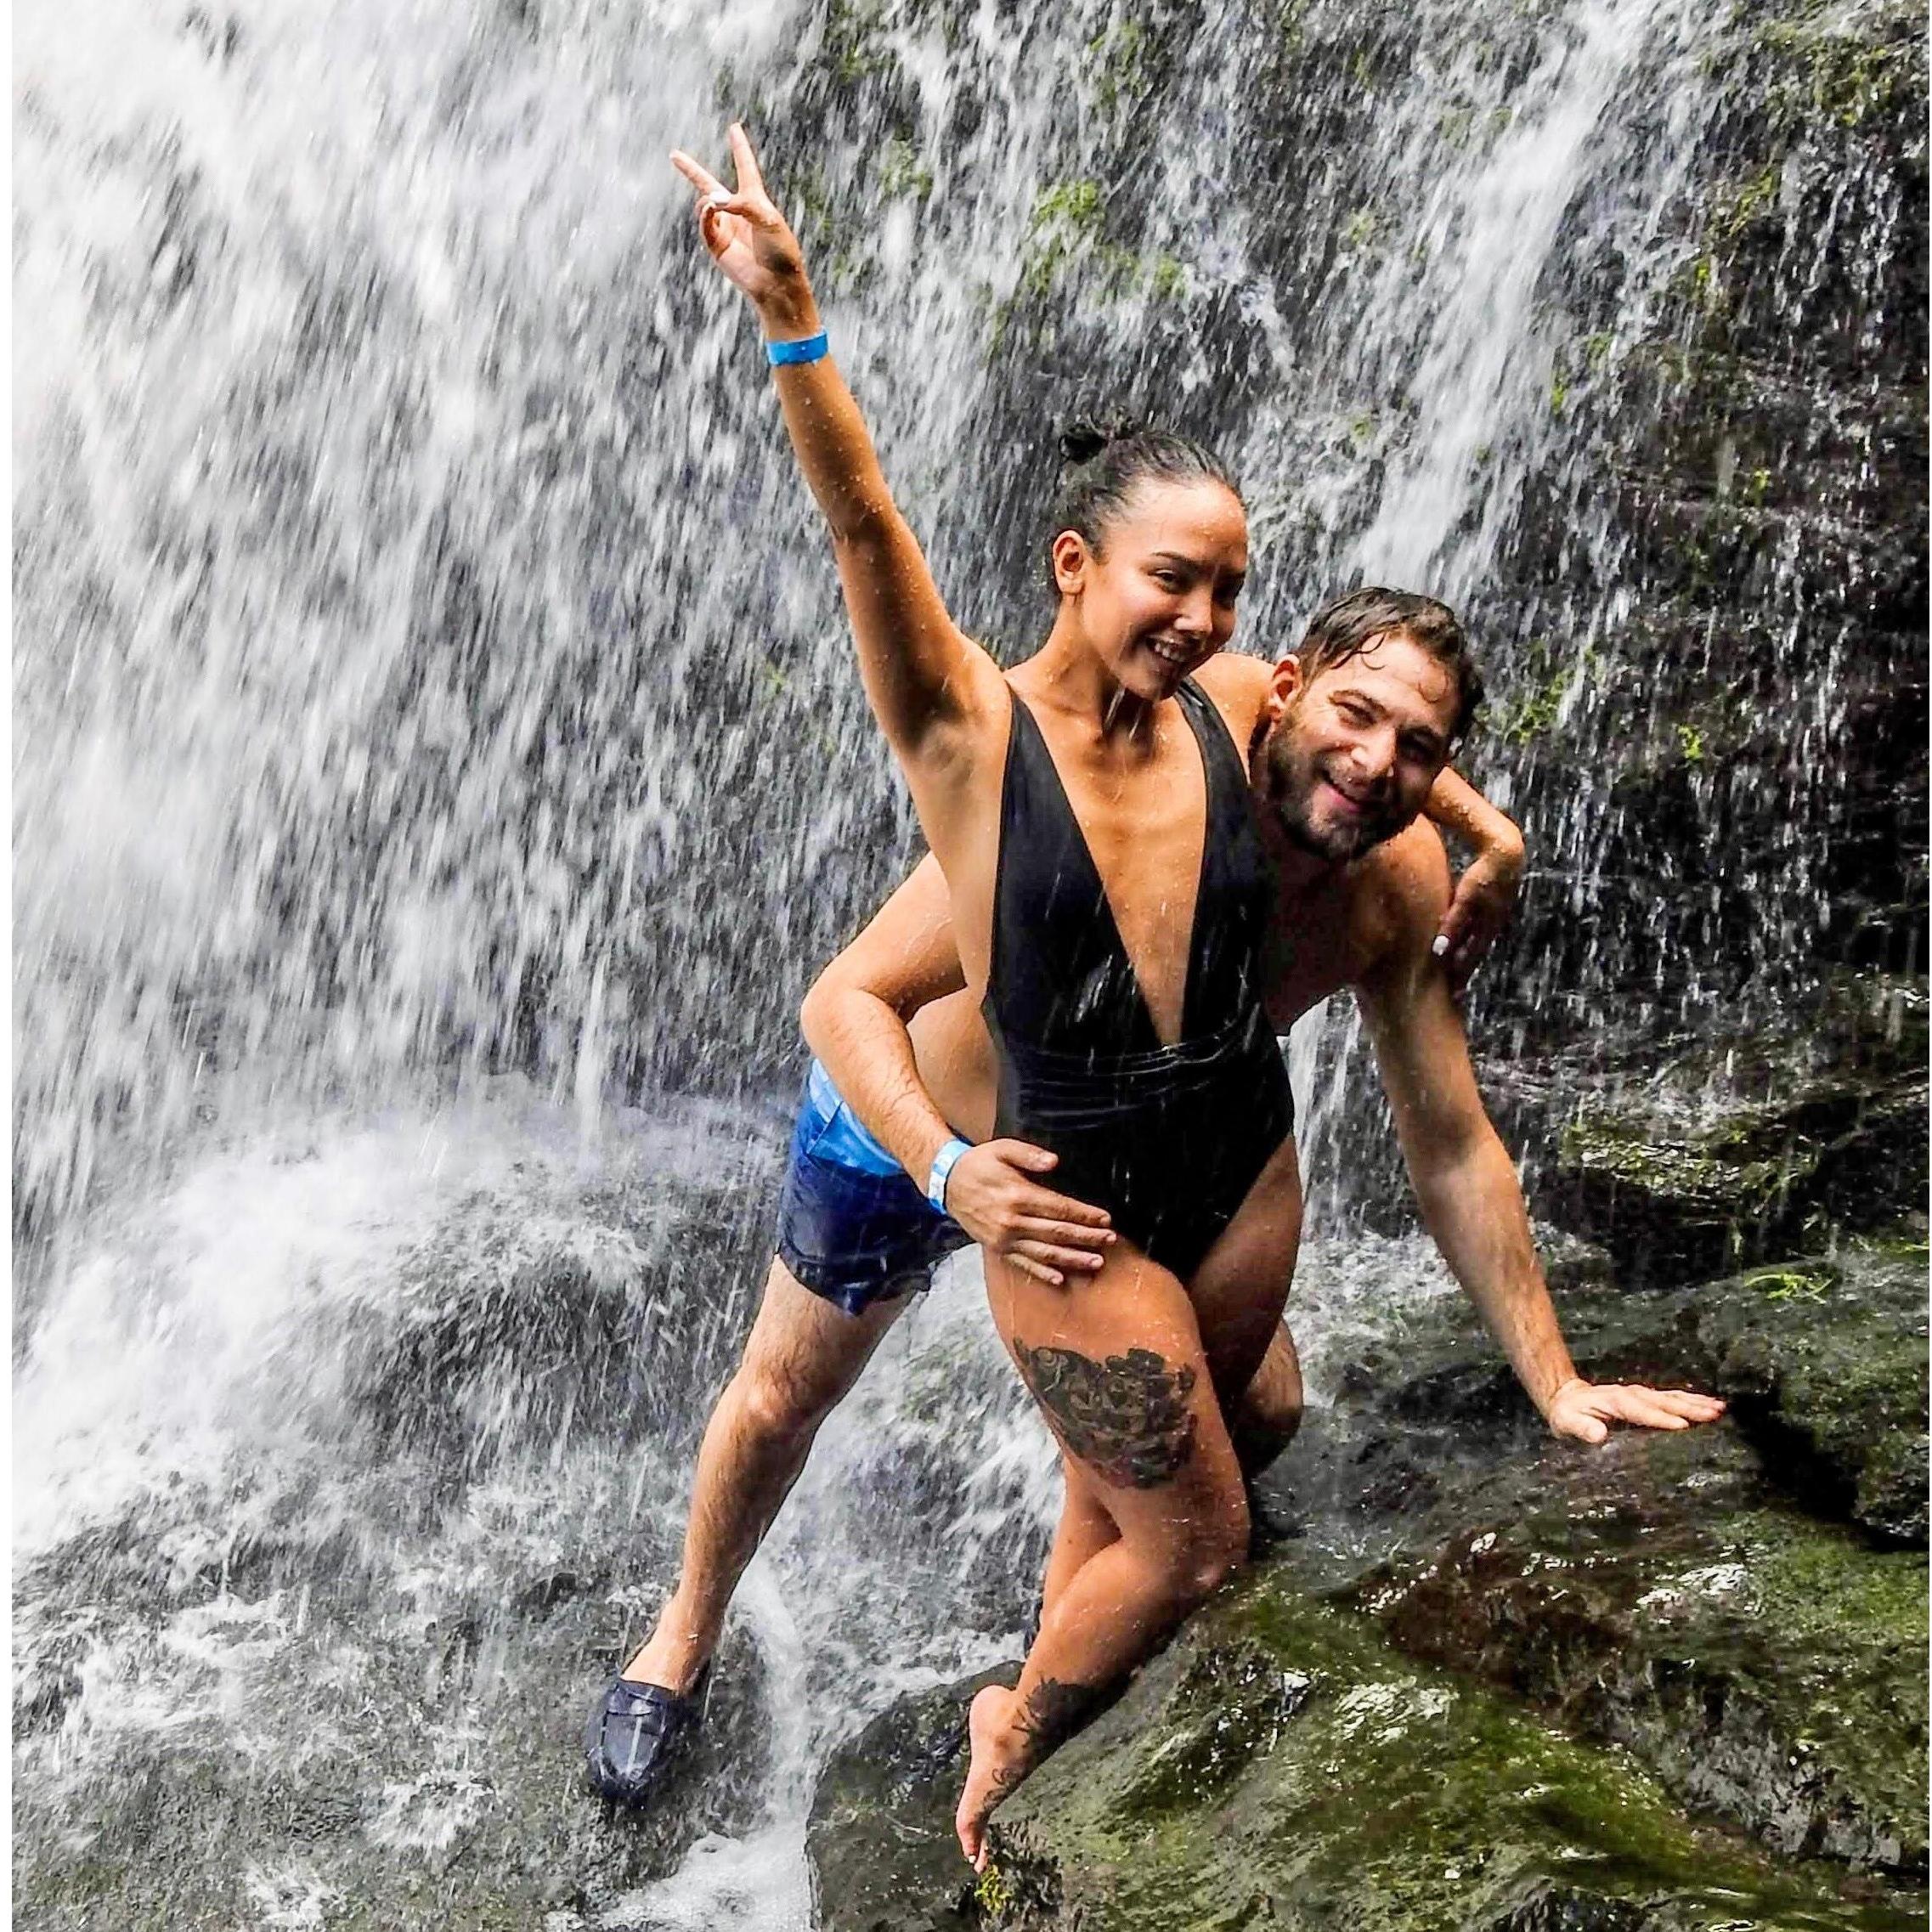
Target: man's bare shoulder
pixel 1234 674
pixel 1237 686
pixel 1397 898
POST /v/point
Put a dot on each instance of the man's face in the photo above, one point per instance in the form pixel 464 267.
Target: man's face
pixel 1351 752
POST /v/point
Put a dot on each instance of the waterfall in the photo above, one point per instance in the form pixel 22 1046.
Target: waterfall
pixel 439 772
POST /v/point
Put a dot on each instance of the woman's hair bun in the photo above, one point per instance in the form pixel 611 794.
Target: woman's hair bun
pixel 1084 438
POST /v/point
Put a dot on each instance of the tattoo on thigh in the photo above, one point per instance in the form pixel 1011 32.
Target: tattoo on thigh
pixel 1126 1416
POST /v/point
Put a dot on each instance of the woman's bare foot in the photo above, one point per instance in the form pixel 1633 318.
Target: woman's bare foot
pixel 993 1772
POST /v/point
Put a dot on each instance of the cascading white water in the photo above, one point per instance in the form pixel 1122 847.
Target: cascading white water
pixel 436 731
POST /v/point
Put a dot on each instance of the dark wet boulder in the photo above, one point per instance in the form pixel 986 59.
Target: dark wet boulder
pixel 1729 1153
pixel 1678 1596
pixel 1660 1594
pixel 1822 1358
pixel 881 1838
pixel 1279 1765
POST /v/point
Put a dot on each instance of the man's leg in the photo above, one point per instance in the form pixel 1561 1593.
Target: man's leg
pixel 803 1354
pixel 1268 1412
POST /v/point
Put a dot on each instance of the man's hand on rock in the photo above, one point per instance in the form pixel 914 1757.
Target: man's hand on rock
pixel 991 1193
pixel 1586 1410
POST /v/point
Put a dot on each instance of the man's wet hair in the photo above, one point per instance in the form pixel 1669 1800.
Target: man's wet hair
pixel 1106 458
pixel 1351 625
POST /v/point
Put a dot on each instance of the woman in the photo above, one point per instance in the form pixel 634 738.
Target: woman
pixel 1108 897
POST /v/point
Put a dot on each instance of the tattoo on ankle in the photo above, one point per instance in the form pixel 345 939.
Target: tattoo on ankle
pixel 1126 1416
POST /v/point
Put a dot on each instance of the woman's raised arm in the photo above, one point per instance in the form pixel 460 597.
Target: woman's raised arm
pixel 931 685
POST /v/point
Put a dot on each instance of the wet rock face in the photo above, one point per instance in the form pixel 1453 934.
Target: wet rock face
pixel 1482 1679
pixel 1278 1766
pixel 1676 1595
pixel 1661 1595
pixel 1732 1151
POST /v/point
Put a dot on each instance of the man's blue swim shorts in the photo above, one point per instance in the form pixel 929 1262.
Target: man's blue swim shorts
pixel 853 1226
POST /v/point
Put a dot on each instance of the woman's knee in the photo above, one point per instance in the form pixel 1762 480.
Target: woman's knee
pixel 1207 1546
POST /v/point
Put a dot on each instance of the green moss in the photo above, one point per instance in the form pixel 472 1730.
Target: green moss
pixel 1822 1588
pixel 1690 742
pixel 901 171
pixel 854 44
pixel 1741 204
pixel 1716 1169
pixel 993 1894
pixel 1123 63
pixel 1361 229
pixel 1840 79
pixel 1385 1797
pixel 1551 680
pixel 1463 125
pixel 1068 229
pixel 1071 204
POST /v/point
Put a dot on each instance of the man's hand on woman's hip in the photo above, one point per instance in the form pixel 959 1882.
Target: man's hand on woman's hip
pixel 994 1194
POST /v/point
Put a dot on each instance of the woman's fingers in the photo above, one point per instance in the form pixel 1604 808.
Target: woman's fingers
pixel 750 181
pixel 700 177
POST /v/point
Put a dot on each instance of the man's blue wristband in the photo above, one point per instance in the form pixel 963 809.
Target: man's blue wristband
pixel 810 348
pixel 944 1162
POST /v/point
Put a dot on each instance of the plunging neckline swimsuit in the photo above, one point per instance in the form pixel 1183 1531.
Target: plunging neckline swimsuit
pixel 1168 1138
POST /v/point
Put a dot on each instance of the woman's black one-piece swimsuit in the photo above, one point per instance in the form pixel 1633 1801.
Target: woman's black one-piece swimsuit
pixel 1167 1138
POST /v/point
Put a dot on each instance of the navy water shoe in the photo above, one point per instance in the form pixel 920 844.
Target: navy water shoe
pixel 635 1734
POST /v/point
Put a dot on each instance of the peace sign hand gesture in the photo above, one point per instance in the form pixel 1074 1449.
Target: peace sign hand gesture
pixel 750 240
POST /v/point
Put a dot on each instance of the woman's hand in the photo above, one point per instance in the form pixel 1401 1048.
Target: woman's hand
pixel 1485 898
pixel 751 242
pixel 992 1195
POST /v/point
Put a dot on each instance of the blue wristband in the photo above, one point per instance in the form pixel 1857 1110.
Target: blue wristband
pixel 808 348
pixel 944 1162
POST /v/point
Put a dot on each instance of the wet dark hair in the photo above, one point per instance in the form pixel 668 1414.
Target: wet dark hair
pixel 1348 626
pixel 1107 458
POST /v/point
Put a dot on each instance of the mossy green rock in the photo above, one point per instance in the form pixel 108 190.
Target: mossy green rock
pixel 1823 1357
pixel 1675 1184
pixel 1280 1766
pixel 1658 1594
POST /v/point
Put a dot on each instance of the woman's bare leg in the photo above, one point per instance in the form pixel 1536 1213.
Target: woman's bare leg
pixel 1084 1530
pixel 1116 1363
pixel 1129 1562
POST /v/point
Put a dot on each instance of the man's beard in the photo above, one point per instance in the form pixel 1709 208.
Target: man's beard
pixel 1289 775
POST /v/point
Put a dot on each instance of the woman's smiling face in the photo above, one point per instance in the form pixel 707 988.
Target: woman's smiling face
pixel 1156 599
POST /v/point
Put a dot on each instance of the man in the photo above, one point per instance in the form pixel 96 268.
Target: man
pixel 1347 737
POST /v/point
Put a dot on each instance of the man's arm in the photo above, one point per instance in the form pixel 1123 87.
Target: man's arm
pixel 1485 895
pixel 855 1019
pixel 1465 1182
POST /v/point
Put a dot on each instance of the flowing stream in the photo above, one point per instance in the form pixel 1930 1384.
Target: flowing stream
pixel 428 676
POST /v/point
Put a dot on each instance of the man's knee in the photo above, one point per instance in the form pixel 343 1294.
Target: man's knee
pixel 802 1356
pixel 1269 1413
pixel 778 1404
